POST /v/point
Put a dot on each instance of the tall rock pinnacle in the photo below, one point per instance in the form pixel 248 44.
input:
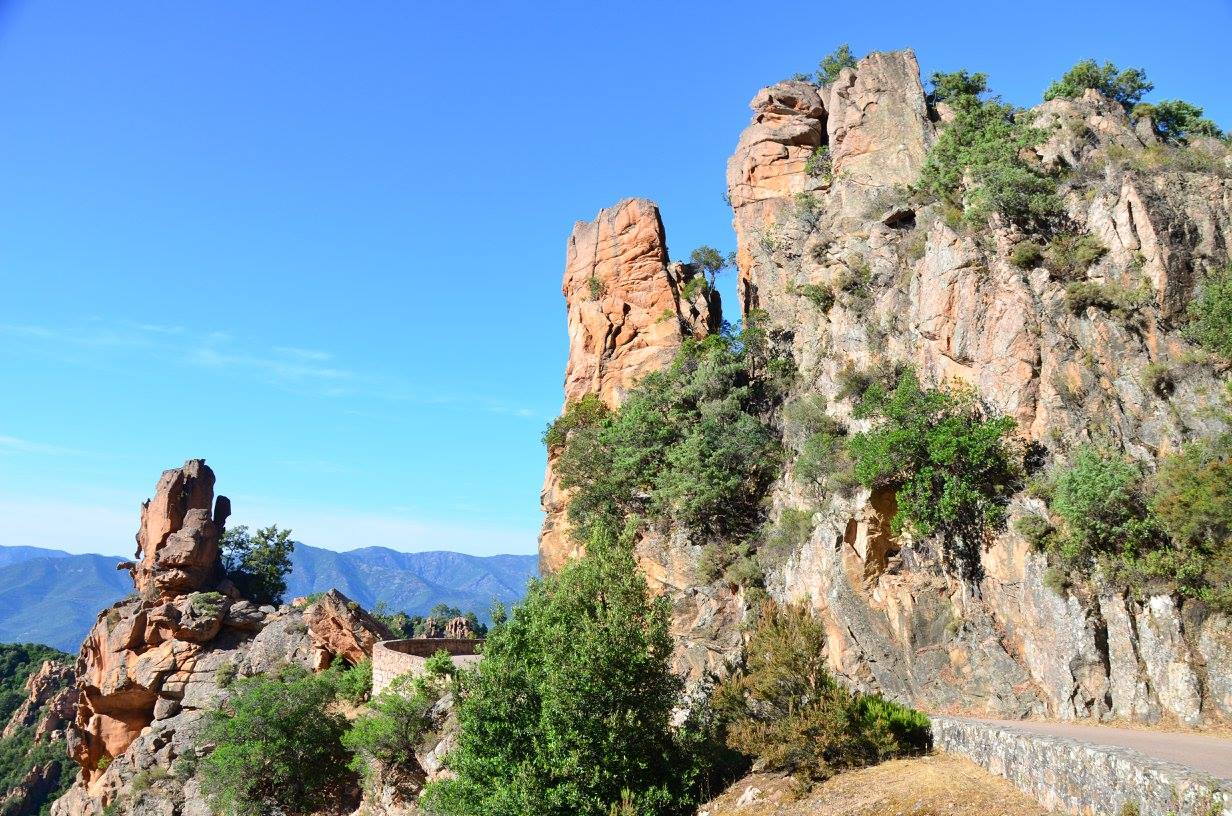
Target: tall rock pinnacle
pixel 628 312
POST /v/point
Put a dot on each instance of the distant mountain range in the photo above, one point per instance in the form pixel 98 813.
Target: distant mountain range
pixel 53 597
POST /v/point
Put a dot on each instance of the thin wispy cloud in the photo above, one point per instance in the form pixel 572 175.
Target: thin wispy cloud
pixel 304 371
pixel 13 444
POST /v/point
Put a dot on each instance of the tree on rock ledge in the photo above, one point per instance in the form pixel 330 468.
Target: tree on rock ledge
pixel 569 711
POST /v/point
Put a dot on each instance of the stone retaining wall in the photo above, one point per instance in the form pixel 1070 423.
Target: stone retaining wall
pixel 1080 778
pixel 394 658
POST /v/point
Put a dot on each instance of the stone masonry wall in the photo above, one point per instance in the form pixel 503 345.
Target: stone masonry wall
pixel 393 658
pixel 1075 777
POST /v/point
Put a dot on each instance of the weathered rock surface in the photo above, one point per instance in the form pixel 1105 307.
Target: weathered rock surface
pixel 341 628
pixel 44 714
pixel 158 661
pixel 949 303
pixel 628 311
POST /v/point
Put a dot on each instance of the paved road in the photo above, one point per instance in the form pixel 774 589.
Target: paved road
pixel 1210 754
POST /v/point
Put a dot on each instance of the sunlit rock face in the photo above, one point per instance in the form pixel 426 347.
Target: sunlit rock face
pixel 627 313
pixel 948 302
pixel 156 662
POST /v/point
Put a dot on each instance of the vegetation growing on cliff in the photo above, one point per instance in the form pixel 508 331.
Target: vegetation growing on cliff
pixel 950 464
pixel 569 711
pixel 977 162
pixel 689 447
pixel 19 753
pixel 832 64
pixel 1173 530
pixel 258 563
pixel 783 708
pixel 1125 87
pixel 394 725
pixel 1210 313
pixel 277 746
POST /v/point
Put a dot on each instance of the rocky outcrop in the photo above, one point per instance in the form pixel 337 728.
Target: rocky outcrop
pixel 51 696
pixel 37 726
pixel 339 627
pixel 913 289
pixel 948 302
pixel 158 661
pixel 629 307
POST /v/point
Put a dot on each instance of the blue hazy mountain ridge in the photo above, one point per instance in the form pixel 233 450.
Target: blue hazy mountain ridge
pixel 53 597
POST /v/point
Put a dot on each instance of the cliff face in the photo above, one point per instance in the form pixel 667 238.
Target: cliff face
pixel 628 311
pixel 41 718
pixel 159 660
pixel 949 302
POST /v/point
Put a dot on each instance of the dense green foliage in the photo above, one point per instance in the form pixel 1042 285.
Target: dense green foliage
pixel 1210 314
pixel 570 707
pixel 956 86
pixel 1173 529
pixel 277 745
pixel 832 64
pixel 1175 120
pixel 258 563
pixel 1123 86
pixel 784 708
pixel 350 683
pixel 688 447
pixel 976 163
pixel 19 753
pixel 950 464
pixel 397 720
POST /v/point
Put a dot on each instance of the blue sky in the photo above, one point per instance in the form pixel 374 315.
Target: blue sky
pixel 320 244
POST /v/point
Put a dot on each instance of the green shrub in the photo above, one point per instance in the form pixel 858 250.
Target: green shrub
pixel 1036 529
pixel 583 413
pixel 832 64
pixel 1110 297
pixel 277 746
pixel 818 294
pixel 694 287
pixel 572 702
pixel 793 528
pixel 440 665
pixel 1026 254
pixel 976 165
pixel 688 446
pixel 225 674
pixel 394 725
pixel 783 707
pixel 1191 501
pixel 1123 86
pixel 1070 256
pixel 258 563
pixel 351 683
pixel 1210 314
pixel 950 464
pixel 819 164
pixel 710 262
pixel 1175 120
pixel 1101 502
pixel 206 603
pixel 956 85
pixel 185 765
pixel 1162 158
pixel 1158 379
pixel 595 288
